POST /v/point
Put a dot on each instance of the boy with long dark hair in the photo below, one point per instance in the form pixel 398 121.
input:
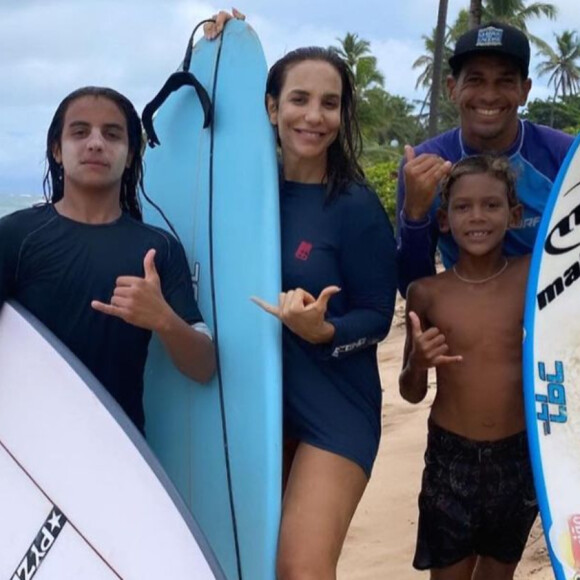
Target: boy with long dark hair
pixel 87 266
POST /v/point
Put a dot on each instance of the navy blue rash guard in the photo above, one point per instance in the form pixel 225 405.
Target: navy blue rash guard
pixel 55 266
pixel 536 157
pixel 332 392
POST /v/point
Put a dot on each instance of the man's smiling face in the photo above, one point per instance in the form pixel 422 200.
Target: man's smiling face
pixel 488 92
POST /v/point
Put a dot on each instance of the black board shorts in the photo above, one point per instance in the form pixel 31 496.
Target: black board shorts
pixel 477 497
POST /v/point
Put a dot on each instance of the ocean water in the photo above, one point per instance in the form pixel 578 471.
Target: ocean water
pixel 10 203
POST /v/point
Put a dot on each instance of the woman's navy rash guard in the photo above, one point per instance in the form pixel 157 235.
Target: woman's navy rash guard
pixel 332 392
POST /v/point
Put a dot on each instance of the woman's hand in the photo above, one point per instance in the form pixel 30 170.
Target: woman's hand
pixel 303 314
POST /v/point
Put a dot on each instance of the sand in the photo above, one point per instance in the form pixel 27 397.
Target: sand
pixel 381 540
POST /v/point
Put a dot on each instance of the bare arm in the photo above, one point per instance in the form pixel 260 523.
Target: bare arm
pixel 191 351
pixel 417 232
pixel 423 349
pixel 413 377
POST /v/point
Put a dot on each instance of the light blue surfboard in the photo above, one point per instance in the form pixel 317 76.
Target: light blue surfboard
pixel 221 442
pixel 552 368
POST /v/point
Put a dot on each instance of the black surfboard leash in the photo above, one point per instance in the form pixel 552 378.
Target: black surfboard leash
pixel 177 80
pixel 214 313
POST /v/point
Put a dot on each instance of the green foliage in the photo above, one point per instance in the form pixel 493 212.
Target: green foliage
pixel 383 179
pixel 518 13
pixel 385 118
pixel 389 121
pixel 563 114
pixel 561 64
pixel 356 52
pixel 514 12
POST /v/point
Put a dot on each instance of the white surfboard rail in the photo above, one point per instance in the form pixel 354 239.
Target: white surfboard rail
pixel 81 494
pixel 552 368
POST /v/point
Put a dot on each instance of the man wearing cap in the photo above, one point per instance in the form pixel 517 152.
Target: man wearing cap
pixel 489 82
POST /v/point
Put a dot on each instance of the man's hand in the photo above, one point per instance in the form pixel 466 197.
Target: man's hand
pixel 422 176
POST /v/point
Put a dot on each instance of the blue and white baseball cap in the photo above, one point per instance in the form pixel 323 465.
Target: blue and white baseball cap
pixel 492 38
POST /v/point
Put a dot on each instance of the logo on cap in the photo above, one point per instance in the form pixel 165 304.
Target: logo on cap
pixel 489 36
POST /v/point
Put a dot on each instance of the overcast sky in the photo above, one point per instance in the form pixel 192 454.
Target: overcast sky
pixel 51 47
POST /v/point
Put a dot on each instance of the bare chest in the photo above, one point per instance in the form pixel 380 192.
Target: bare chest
pixel 473 320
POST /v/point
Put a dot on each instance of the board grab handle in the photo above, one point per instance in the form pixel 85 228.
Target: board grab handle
pixel 176 81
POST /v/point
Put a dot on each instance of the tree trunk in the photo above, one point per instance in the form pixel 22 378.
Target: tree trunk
pixel 436 81
pixel 475 10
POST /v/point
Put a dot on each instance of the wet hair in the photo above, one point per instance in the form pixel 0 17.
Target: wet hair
pixel 342 166
pixel 132 180
pixel 497 167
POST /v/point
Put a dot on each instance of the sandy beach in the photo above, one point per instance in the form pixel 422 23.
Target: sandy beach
pixel 381 540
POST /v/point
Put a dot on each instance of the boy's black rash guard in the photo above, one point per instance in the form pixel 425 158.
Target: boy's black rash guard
pixel 332 392
pixel 55 267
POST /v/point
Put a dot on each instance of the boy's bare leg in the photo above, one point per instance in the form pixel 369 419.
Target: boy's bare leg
pixel 490 569
pixel 460 571
pixel 322 493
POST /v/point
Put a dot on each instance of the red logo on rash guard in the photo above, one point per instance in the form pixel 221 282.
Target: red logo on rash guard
pixel 303 251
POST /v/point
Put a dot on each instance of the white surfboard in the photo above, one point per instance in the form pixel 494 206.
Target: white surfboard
pixel 552 368
pixel 81 494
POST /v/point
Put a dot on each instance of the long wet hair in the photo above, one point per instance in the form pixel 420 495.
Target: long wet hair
pixel 132 180
pixel 342 166
pixel 498 167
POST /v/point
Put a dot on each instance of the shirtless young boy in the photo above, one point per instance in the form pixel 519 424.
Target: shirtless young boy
pixel 477 502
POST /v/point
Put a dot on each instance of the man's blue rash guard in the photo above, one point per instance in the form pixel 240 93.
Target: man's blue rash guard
pixel 536 156
pixel 332 392
pixel 55 266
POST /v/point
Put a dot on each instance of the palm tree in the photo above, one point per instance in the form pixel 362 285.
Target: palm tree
pixel 513 12
pixel 356 52
pixel 475 11
pixel 437 67
pixel 561 64
pixel 388 117
pixel 517 14
pixel 352 49
pixel 425 64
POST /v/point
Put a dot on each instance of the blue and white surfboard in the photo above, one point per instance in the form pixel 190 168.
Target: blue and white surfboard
pixel 552 368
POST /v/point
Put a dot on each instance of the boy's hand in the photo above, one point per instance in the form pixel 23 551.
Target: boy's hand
pixel 138 301
pixel 430 347
pixel 303 314
pixel 422 176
